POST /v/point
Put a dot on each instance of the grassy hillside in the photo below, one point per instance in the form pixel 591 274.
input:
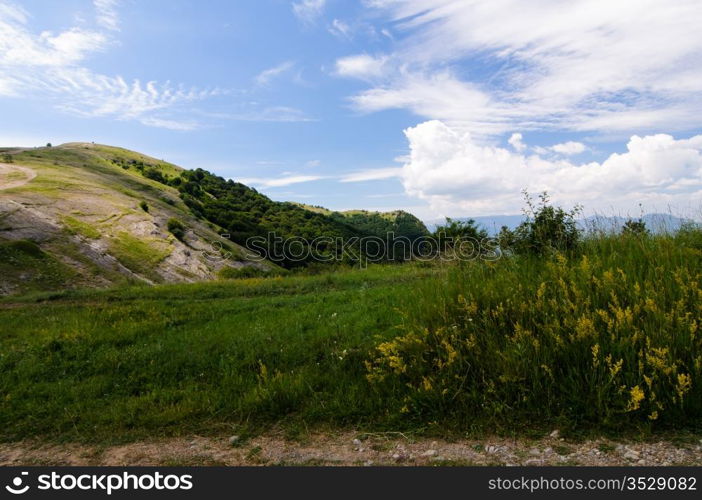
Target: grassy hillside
pixel 599 339
pixel 98 220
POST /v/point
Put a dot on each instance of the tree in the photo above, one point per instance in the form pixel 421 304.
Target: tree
pixel 635 227
pixel 48 144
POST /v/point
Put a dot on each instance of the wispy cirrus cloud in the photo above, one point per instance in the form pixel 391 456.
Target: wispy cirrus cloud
pixel 53 66
pixel 266 76
pixel 308 11
pixel 273 182
pixel 106 14
pixel 585 65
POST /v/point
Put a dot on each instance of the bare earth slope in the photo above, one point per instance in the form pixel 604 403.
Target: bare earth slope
pixel 85 211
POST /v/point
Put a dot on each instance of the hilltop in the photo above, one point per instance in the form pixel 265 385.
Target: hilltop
pixel 376 223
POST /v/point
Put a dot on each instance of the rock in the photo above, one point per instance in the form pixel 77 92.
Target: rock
pixel 631 455
pixel 533 461
pixel 534 452
pixel 641 462
pixel 490 449
pixel 429 453
pixel 234 440
pixel 368 463
pixel 357 442
pixel 548 450
pixel 555 434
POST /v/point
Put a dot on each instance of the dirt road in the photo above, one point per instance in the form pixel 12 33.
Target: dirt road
pixel 350 448
pixel 12 176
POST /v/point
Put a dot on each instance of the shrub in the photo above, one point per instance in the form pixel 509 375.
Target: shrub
pixel 144 206
pixel 176 228
pixel 547 230
pixel 635 227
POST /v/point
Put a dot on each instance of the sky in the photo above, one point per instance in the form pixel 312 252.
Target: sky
pixel 438 107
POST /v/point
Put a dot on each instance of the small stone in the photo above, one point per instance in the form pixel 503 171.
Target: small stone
pixel 357 442
pixel 641 462
pixel 490 449
pixel 548 450
pixel 234 440
pixel 555 434
pixel 533 461
pixel 368 463
pixel 534 452
pixel 429 453
pixel 396 456
pixel 631 455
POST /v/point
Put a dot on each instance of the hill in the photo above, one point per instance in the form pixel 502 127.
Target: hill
pixel 379 224
pixel 90 215
pixel 84 214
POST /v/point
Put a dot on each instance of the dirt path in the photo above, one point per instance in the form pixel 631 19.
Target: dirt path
pixel 355 449
pixel 12 176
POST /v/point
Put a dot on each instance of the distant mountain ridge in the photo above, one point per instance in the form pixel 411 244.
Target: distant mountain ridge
pixel 655 222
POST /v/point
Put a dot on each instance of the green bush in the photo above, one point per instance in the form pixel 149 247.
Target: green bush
pixel 176 228
pixel 144 206
pixel 635 227
pixel 548 229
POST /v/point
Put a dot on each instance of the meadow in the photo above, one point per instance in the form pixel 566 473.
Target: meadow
pixel 602 338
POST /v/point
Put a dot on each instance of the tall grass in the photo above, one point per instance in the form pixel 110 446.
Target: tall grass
pixel 606 336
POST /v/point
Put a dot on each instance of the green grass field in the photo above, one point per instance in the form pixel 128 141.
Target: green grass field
pixel 608 338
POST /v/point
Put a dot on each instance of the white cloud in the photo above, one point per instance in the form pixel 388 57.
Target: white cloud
pixel 361 66
pixel 569 148
pixel 584 65
pixel 452 172
pixel 106 14
pixel 515 141
pixel 373 174
pixel 53 66
pixel 340 29
pixel 266 76
pixel 308 11
pixel 279 181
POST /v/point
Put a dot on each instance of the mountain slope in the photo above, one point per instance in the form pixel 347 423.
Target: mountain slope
pixel 87 215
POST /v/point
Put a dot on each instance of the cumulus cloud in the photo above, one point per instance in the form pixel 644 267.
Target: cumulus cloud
pixel 569 148
pixel 456 174
pixel 515 141
pixel 584 65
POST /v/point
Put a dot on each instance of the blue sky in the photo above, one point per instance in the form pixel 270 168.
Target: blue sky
pixel 439 107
